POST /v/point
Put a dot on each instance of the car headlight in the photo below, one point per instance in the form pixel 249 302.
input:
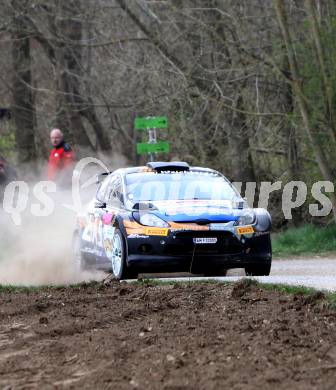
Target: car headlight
pixel 152 220
pixel 247 218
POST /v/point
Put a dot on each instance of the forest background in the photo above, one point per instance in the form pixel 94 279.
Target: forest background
pixel 249 86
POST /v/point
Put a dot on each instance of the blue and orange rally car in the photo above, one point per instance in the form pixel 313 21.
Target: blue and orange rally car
pixel 171 217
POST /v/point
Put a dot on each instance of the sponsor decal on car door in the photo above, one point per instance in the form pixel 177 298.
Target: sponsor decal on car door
pixel 108 231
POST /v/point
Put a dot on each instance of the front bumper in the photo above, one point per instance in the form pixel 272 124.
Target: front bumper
pixel 177 251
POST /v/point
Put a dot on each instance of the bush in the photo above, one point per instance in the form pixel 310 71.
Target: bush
pixel 307 239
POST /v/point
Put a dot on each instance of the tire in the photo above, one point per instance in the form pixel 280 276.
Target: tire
pixel 118 259
pixel 258 269
pixel 81 263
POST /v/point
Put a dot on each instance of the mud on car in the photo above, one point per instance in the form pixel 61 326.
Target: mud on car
pixel 171 217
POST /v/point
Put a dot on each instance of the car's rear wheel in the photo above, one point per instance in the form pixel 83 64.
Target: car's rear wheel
pixel 81 262
pixel 258 270
pixel 118 258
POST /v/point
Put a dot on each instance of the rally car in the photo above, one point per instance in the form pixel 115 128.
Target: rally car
pixel 171 217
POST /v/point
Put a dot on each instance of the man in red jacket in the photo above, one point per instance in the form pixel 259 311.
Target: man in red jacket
pixel 61 159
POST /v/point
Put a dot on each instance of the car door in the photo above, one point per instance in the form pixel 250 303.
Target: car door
pixel 92 235
pixel 114 205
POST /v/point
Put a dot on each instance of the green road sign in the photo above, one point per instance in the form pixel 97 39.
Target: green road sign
pixel 159 147
pixel 154 122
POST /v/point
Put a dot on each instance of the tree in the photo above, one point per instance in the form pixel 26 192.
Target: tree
pixel 301 98
pixel 23 108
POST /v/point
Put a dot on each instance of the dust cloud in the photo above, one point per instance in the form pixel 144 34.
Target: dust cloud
pixel 39 250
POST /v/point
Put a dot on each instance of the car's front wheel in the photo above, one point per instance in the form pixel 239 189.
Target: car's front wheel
pixel 258 269
pixel 118 258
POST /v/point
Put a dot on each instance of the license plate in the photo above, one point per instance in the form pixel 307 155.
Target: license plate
pixel 245 230
pixel 205 240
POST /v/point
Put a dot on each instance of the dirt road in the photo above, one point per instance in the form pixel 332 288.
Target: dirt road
pixel 316 272
pixel 205 336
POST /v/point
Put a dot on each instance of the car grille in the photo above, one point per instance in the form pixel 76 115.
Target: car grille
pixel 226 243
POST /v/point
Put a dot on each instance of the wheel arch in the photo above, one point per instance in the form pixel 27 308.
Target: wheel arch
pixel 263 220
pixel 119 224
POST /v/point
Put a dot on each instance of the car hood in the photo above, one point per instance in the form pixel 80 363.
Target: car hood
pixel 198 211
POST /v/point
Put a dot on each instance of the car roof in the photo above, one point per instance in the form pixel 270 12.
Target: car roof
pixel 167 168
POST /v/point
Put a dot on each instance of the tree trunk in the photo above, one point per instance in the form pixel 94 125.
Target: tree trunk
pixel 68 65
pixel 23 109
pixel 291 139
pixel 239 146
pixel 241 161
pixel 326 82
pixel 298 91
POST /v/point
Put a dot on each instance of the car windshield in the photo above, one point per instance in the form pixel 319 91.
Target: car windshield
pixel 178 186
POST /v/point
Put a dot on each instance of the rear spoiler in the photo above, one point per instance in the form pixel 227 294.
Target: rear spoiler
pixel 174 166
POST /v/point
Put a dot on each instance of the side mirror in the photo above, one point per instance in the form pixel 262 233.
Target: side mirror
pixel 101 177
pixel 99 205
